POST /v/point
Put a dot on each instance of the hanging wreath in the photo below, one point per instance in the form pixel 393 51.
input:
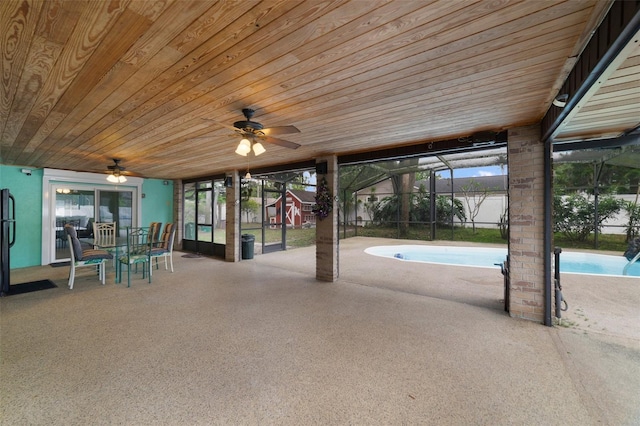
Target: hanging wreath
pixel 324 200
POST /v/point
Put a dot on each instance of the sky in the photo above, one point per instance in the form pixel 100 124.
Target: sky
pixel 458 173
pixel 475 172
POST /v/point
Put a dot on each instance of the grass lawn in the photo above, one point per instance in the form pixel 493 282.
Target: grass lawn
pixel 295 237
pixel 307 237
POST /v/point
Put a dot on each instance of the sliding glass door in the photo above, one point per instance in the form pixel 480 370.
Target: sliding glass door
pixel 81 199
pixel 73 207
pixel 81 206
pixel 116 206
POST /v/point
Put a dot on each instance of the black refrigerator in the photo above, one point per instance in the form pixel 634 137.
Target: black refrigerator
pixel 7 237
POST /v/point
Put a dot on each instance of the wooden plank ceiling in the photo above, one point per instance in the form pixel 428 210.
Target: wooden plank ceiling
pixel 151 81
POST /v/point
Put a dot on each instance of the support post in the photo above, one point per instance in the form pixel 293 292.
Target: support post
pixel 327 228
pixel 232 246
pixel 529 250
pixel 432 203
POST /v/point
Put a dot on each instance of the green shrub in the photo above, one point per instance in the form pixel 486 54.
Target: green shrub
pixel 574 215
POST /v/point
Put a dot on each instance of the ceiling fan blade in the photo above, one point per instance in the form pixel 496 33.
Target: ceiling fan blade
pixel 116 166
pixel 280 130
pixel 281 142
pixel 210 137
pixel 226 126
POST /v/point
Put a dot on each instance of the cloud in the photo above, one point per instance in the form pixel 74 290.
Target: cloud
pixel 485 173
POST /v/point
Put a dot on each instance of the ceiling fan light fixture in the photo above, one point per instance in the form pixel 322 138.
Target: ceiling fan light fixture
pixel 116 178
pixel 252 131
pixel 258 148
pixel 244 147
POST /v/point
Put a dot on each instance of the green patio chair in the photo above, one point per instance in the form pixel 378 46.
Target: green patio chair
pixel 138 252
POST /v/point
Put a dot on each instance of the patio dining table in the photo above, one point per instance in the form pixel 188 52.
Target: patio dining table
pixel 118 246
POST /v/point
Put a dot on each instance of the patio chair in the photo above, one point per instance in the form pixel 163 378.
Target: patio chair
pixel 84 257
pixel 104 236
pixel 87 232
pixel 154 232
pixel 138 252
pixel 165 247
pixel 104 233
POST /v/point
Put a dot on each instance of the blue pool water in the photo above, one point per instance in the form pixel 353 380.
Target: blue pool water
pixel 570 262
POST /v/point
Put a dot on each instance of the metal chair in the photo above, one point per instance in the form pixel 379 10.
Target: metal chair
pixel 138 251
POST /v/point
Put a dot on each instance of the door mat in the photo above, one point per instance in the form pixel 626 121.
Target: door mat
pixel 60 264
pixel 192 256
pixel 30 286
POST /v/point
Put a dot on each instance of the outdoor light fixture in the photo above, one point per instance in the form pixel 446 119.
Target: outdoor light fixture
pixel 116 177
pixel 258 148
pixel 561 100
pixel 245 147
pixel 248 175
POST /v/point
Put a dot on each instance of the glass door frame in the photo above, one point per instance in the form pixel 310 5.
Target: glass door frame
pixel 281 182
pixel 53 179
pixel 196 245
pixel 281 218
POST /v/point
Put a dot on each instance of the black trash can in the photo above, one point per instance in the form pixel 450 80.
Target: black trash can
pixel 247 245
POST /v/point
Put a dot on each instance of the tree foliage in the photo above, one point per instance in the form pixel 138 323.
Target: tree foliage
pixel 581 176
pixel 574 215
pixel 474 195
pixel 633 226
pixel 249 207
pixel 388 210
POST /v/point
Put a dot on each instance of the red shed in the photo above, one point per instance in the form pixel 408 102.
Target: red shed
pixel 298 211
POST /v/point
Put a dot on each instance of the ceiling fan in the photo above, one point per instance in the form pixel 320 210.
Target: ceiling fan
pixel 116 172
pixel 253 132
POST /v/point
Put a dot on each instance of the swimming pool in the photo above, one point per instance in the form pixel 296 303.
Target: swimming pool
pixel 483 257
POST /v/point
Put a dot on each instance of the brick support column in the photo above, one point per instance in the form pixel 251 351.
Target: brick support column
pixel 327 229
pixel 232 244
pixel 526 223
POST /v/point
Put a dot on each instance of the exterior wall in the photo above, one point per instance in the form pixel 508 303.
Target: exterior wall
pixel 327 230
pixel 157 202
pixel 526 229
pixel 30 206
pixel 27 191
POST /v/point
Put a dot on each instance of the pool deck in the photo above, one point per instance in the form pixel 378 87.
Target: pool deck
pixel 262 342
pixel 601 304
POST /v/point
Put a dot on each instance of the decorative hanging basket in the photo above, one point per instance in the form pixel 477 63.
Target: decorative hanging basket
pixel 324 200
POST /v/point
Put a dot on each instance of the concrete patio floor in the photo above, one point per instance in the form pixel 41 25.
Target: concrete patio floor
pixel 262 342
